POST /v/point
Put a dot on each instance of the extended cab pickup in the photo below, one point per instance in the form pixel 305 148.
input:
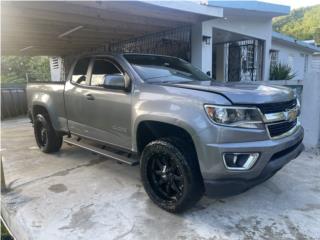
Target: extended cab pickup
pixel 190 134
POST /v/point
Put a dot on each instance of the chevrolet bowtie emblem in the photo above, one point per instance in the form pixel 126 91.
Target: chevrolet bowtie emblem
pixel 291 114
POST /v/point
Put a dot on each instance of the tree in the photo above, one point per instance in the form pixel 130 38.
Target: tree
pixel 302 23
pixel 317 36
pixel 15 68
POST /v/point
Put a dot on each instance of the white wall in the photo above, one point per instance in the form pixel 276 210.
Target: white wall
pixel 201 53
pixel 294 57
pixel 196 45
pixel 310 106
pixel 315 65
pixel 255 27
pixel 310 111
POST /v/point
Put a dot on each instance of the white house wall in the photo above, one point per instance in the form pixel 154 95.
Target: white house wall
pixel 201 53
pixel 315 65
pixel 252 27
pixel 294 57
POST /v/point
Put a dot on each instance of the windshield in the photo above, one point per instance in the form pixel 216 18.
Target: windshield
pixel 163 69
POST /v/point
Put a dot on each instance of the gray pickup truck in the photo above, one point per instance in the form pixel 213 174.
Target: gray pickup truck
pixel 190 134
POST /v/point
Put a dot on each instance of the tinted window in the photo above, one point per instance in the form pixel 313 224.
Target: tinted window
pixel 101 68
pixel 153 69
pixel 80 71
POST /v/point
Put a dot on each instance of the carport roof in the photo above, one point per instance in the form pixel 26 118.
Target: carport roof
pixel 251 8
pixel 63 28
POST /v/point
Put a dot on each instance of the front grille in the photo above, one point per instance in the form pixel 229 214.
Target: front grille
pixel 277 107
pixel 280 128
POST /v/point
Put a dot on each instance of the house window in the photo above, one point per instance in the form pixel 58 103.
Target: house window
pixel 291 60
pixel 274 57
pixel 55 63
pixel 306 63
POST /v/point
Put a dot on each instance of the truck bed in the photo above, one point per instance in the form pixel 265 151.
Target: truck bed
pixel 53 94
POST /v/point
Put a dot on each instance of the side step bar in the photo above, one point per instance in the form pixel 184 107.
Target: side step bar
pixel 103 152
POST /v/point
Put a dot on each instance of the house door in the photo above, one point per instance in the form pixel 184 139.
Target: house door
pixel 245 60
pixel 234 60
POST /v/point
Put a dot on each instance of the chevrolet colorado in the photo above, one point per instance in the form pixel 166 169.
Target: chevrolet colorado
pixel 190 134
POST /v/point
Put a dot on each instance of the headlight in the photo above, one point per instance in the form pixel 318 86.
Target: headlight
pixel 235 116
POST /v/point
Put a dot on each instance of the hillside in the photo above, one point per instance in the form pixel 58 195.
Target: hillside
pixel 302 23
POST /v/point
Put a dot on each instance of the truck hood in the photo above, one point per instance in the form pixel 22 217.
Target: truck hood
pixel 242 93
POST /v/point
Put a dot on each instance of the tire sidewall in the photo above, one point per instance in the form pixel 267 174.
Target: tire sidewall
pixel 160 147
pixel 40 119
pixel 54 140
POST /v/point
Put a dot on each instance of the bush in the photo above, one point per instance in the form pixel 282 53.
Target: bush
pixel 281 72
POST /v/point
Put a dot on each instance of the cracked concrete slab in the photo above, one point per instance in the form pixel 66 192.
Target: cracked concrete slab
pixel 74 194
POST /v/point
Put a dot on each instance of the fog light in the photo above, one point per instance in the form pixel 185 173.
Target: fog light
pixel 239 161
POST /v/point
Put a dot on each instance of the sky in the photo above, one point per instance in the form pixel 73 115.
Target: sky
pixel 295 3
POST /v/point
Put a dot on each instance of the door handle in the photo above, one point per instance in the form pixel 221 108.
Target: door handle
pixel 90 96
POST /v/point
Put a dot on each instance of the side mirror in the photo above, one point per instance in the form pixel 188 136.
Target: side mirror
pixel 117 81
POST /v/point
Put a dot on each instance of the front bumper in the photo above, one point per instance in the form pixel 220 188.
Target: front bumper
pixel 274 154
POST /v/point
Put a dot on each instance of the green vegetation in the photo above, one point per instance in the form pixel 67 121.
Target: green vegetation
pixel 14 69
pixel 302 23
pixel 281 72
pixel 5 235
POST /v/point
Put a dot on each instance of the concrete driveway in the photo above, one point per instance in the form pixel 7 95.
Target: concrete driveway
pixel 77 195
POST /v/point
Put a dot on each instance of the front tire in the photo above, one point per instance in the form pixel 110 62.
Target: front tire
pixel 170 174
pixel 46 137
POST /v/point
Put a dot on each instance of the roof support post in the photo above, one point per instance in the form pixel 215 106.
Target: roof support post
pixel 266 56
pixel 201 47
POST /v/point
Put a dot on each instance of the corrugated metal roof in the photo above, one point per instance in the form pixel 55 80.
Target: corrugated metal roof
pixel 64 27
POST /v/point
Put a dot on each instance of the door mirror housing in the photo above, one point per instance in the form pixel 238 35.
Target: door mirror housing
pixel 117 81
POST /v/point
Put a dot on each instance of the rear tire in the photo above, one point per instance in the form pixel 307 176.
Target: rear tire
pixel 46 137
pixel 170 174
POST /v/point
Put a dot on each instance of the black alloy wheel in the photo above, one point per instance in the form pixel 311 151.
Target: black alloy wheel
pixel 166 177
pixel 171 175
